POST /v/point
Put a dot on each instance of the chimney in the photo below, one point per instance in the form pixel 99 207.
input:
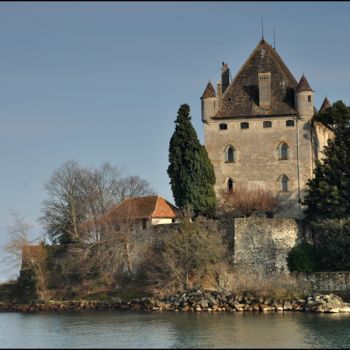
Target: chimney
pixel 264 90
pixel 225 76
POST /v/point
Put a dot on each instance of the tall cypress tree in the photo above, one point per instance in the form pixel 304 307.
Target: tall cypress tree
pixel 191 173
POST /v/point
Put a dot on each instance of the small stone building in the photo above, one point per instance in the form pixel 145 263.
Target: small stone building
pixel 260 131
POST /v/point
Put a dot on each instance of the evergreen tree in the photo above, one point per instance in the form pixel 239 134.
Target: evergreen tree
pixel 191 173
pixel 328 197
pixel 328 194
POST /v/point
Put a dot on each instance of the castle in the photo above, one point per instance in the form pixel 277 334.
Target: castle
pixel 260 129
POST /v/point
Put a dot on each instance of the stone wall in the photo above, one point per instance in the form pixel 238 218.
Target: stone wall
pixel 262 244
pixel 327 281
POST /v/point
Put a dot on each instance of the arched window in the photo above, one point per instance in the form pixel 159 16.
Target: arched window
pixel 223 126
pixel 230 155
pixel 284 183
pixel 229 185
pixel 244 125
pixel 283 151
pixel 290 123
pixel 267 124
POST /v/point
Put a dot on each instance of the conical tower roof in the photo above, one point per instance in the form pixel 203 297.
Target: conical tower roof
pixel 325 104
pixel 209 91
pixel 303 85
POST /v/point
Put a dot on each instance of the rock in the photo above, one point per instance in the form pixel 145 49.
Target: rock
pixel 185 308
pixel 333 310
pixel 197 308
pixel 265 307
pixel 344 308
pixel 255 307
pixel 238 306
pixel 204 304
pixel 287 306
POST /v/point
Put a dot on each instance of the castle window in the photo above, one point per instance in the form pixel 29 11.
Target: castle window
pixel 229 185
pixel 290 123
pixel 223 126
pixel 267 124
pixel 309 98
pixel 283 151
pixel 284 183
pixel 230 154
pixel 244 125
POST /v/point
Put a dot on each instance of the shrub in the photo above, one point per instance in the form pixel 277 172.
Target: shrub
pixel 332 244
pixel 302 258
pixel 278 285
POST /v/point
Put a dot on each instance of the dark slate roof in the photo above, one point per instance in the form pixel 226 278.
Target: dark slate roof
pixel 303 85
pixel 326 104
pixel 209 91
pixel 241 98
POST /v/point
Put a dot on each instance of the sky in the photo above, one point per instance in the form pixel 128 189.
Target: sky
pixel 102 82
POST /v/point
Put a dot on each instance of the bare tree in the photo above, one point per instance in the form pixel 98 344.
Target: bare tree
pixel 120 250
pixel 78 195
pixel 33 257
pixel 66 206
pixel 188 251
pixel 244 201
pixel 132 186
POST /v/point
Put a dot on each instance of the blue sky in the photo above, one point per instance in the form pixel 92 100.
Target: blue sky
pixel 102 81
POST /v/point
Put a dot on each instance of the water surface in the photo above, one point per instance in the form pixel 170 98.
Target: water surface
pixel 115 329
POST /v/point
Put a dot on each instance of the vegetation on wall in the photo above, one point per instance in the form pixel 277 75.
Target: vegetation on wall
pixel 186 254
pixel 302 258
pixel 190 171
pixel 244 201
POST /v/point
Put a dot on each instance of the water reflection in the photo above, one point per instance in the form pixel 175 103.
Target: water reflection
pixel 174 330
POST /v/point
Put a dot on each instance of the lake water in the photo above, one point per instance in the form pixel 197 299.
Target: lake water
pixel 116 329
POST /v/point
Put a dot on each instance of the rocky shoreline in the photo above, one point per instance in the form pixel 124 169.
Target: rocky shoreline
pixel 193 301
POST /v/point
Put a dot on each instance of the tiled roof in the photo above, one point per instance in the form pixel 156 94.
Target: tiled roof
pixel 303 85
pixel 209 91
pixel 241 98
pixel 326 104
pixel 142 208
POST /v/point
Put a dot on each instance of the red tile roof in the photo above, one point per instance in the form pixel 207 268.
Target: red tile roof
pixel 142 208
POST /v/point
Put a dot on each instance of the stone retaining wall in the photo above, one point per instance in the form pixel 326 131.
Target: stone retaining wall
pixel 327 281
pixel 262 244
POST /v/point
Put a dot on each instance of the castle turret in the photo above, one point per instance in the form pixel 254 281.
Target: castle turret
pixel 209 102
pixel 304 99
pixel 325 104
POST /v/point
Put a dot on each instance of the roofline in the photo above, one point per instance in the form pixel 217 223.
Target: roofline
pixel 253 116
pixel 155 207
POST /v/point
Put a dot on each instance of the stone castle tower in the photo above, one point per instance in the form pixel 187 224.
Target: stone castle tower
pixel 260 131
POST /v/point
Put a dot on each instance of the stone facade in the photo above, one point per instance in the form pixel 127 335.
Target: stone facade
pixel 262 245
pixel 262 110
